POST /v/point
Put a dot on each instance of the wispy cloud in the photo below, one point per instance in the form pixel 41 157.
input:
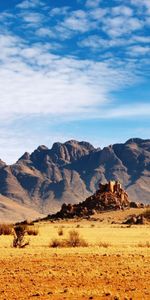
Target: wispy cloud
pixel 32 78
pixel 141 5
pixel 27 4
pixel 66 63
pixel 128 111
pixel 91 3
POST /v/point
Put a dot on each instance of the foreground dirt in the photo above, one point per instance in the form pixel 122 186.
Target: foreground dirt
pixel 114 266
pixel 75 276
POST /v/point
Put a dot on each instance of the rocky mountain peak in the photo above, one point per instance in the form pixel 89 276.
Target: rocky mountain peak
pixel 70 151
pixel 25 156
pixel 2 163
pixel 134 141
pixel 70 172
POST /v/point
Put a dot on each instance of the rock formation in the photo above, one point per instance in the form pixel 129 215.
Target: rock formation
pixel 109 196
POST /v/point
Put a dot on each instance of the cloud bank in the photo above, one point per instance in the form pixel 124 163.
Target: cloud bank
pixel 66 63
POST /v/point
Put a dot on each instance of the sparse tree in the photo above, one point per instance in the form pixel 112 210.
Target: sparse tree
pixel 19 234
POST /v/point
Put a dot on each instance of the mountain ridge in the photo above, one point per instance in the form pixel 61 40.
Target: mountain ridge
pixel 70 172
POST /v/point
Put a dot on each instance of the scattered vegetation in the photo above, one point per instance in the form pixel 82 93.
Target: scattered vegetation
pixel 104 244
pixel 60 231
pixel 73 240
pixel 32 230
pixel 144 245
pixel 19 236
pixel 78 226
pixel 5 229
pixel 55 243
pixel 146 214
pixel 92 225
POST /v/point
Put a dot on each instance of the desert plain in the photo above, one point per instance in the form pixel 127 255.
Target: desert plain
pixel 114 265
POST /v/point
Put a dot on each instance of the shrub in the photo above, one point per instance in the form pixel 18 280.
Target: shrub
pixel 32 231
pixel 74 240
pixel 144 245
pixel 5 229
pixel 78 226
pixel 104 244
pixel 60 231
pixel 55 243
pixel 19 233
pixel 92 225
pixel 146 214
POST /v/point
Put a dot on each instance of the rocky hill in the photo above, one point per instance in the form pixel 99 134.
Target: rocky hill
pixel 71 172
pixel 110 196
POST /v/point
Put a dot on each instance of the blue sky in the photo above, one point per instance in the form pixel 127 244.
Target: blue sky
pixel 73 70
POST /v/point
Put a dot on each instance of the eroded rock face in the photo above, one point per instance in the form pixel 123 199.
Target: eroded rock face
pixel 109 196
pixel 71 172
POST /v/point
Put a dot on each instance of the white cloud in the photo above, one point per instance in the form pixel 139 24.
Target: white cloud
pixel 27 4
pixel 122 10
pixel 142 39
pixel 78 21
pixel 138 50
pixel 45 32
pixel 93 3
pixel 95 42
pixel 120 25
pixel 36 82
pixel 141 4
pixel 59 11
pixel 97 13
pixel 33 18
pixel 128 111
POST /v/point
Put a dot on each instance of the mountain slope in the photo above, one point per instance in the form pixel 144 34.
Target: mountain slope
pixel 71 172
pixel 11 211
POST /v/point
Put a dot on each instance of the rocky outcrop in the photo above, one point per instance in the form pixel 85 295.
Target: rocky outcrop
pixel 109 196
pixel 141 219
pixel 70 172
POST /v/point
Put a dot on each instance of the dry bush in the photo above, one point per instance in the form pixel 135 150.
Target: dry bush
pixel 5 229
pixel 104 244
pixel 144 245
pixel 92 225
pixel 75 240
pixel 78 226
pixel 55 243
pixel 146 214
pixel 32 231
pixel 19 234
pixel 60 231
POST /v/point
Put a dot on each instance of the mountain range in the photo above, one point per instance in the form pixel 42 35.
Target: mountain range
pixel 38 183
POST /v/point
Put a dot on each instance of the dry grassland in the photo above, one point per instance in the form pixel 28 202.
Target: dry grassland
pixel 115 265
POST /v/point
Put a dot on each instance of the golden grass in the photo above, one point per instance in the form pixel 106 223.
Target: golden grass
pixel 31 230
pixel 5 229
pixel 144 245
pixel 115 263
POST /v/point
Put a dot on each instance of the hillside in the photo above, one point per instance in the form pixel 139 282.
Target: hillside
pixel 72 171
pixel 11 211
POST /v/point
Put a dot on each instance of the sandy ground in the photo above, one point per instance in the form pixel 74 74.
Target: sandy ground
pixel 115 265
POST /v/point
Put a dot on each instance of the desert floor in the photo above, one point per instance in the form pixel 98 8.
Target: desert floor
pixel 115 265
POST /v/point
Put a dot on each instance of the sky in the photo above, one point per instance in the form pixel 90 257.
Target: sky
pixel 75 69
